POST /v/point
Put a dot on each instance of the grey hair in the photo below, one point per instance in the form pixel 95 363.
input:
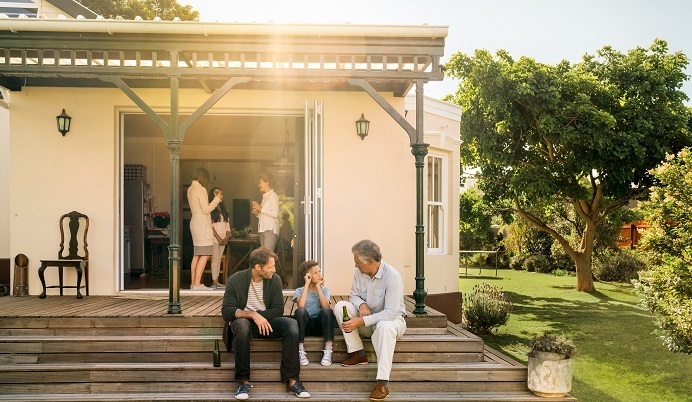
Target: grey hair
pixel 367 249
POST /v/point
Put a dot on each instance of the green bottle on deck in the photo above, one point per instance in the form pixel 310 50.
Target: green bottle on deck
pixel 217 354
pixel 346 316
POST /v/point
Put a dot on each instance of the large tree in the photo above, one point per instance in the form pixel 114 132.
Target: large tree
pixel 582 135
pixel 147 9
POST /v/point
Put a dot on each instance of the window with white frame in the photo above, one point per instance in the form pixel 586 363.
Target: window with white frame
pixel 436 203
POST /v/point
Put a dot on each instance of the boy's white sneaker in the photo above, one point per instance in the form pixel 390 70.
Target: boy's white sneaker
pixel 303 358
pixel 326 358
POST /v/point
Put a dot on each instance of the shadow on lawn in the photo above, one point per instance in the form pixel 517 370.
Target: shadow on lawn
pixel 604 329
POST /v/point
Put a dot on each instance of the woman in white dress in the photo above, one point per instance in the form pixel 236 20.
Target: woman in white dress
pixel 200 225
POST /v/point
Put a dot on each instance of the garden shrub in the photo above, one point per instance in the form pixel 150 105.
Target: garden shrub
pixel 617 266
pixel 560 260
pixel 666 291
pixel 485 309
pixel 516 262
pixel 538 263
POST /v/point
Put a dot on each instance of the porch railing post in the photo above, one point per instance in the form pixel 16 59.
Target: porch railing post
pixel 175 145
pixel 419 150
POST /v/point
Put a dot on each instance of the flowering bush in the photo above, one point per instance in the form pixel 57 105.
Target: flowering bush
pixel 161 219
pixel 485 309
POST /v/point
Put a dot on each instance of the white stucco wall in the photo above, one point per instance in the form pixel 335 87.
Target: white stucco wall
pixel 4 183
pixel 369 189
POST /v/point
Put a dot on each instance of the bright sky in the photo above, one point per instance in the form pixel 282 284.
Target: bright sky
pixel 547 30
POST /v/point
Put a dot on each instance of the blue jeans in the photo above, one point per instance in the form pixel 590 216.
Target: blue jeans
pixel 323 324
pixel 285 328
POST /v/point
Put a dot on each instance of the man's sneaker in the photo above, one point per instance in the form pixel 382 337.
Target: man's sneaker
pixel 326 358
pixel 242 392
pixel 354 359
pixel 298 389
pixel 379 393
pixel 303 358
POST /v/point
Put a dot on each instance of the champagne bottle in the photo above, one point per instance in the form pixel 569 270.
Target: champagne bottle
pixel 346 316
pixel 217 354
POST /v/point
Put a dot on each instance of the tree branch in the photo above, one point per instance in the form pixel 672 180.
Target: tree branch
pixel 538 224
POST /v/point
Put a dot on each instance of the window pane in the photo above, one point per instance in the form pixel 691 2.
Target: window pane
pixel 434 212
pixel 437 178
pixel 431 182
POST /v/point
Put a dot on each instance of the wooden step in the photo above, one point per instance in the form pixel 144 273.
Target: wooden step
pixel 255 396
pixel 262 371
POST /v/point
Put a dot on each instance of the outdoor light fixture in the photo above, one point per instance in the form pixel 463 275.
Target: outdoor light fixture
pixel 63 122
pixel 362 126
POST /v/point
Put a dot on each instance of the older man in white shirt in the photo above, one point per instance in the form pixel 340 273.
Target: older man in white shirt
pixel 376 310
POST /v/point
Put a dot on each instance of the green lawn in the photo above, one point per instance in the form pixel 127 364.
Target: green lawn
pixel 618 357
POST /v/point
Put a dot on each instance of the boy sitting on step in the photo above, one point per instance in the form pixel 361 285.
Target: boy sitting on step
pixel 314 316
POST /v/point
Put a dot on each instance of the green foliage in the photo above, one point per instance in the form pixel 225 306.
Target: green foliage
pixel 579 135
pixel 516 262
pixel 485 309
pixel 666 287
pixel 537 263
pixel 538 242
pixel 666 290
pixel 554 344
pixel 475 218
pixel 617 266
pixel 559 260
pixel 147 9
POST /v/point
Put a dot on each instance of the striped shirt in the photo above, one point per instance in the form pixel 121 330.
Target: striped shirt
pixel 255 297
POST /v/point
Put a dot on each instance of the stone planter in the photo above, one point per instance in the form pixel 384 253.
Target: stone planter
pixel 550 374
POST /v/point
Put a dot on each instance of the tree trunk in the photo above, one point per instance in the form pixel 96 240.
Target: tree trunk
pixel 584 274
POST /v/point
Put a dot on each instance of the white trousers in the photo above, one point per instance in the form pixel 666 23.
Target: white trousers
pixel 216 253
pixel 384 335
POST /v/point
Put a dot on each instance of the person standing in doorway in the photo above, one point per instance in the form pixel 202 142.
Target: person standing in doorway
pixel 200 225
pixel 222 231
pixel 376 310
pixel 267 212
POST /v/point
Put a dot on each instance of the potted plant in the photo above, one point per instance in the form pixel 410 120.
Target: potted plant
pixel 550 365
pixel 161 219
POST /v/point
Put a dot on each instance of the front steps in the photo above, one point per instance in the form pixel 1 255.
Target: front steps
pixel 170 358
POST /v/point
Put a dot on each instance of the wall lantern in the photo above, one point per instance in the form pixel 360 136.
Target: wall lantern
pixel 63 122
pixel 362 126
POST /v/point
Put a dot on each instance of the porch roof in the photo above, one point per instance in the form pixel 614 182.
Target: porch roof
pixel 64 53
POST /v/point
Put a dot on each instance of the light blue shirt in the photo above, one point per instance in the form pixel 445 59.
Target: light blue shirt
pixel 383 293
pixel 312 300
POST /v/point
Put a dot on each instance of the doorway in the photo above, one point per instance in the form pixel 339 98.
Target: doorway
pixel 235 149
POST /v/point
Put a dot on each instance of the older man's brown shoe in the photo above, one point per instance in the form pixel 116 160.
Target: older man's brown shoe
pixel 379 393
pixel 354 359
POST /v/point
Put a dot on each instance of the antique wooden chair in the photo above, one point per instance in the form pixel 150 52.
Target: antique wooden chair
pixel 73 259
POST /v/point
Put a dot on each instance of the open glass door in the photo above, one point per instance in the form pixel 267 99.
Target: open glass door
pixel 312 203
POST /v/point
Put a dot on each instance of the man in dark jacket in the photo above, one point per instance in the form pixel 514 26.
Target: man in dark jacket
pixel 254 304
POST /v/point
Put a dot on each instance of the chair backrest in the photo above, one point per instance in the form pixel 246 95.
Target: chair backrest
pixel 73 244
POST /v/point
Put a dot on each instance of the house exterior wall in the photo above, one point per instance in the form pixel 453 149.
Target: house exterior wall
pixel 4 183
pixel 369 186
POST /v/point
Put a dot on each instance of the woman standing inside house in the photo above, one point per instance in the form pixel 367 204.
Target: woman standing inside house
pixel 222 231
pixel 200 225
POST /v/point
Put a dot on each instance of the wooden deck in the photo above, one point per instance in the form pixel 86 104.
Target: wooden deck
pixel 131 306
pixel 113 348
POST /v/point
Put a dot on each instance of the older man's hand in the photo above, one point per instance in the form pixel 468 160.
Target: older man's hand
pixel 352 324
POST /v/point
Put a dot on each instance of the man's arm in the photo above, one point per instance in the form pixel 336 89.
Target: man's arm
pixel 393 296
pixel 230 302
